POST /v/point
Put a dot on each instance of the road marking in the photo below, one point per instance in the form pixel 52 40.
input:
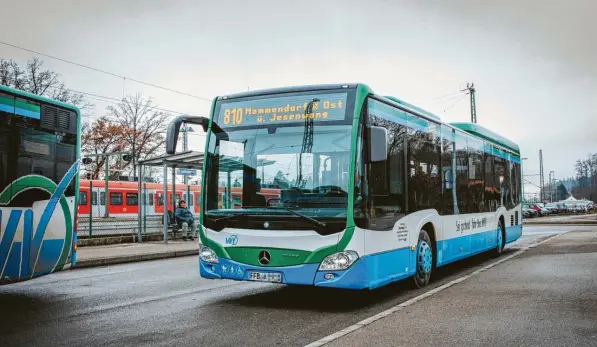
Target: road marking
pixel 365 322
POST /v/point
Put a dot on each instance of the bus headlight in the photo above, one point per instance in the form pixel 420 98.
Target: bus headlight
pixel 338 261
pixel 208 255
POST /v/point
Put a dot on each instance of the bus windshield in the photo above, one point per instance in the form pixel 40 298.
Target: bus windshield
pixel 277 154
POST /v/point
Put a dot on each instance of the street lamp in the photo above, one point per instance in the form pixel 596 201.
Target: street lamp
pixel 551 192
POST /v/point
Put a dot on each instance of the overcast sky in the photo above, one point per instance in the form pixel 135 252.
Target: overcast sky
pixel 534 63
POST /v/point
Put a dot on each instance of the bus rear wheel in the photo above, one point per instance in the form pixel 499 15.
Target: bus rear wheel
pixel 500 240
pixel 424 260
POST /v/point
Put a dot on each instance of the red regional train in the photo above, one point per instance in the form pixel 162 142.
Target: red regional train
pixel 123 197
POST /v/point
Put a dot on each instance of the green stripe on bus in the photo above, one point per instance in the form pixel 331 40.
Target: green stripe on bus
pixel 27 106
pixel 7 101
pixel 280 257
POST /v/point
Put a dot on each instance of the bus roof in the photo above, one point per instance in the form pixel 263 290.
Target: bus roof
pixel 488 135
pixel 40 98
pixel 473 129
pixel 411 106
pixel 283 90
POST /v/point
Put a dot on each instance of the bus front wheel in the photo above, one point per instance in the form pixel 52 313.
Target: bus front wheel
pixel 500 239
pixel 424 260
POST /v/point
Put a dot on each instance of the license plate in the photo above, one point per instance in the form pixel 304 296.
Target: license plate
pixel 265 276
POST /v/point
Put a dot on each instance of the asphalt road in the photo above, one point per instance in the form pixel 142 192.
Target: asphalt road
pixel 166 303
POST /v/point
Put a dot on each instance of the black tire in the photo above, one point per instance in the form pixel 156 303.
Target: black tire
pixel 424 260
pixel 500 239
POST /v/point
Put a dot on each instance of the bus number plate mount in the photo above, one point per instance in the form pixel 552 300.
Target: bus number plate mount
pixel 265 276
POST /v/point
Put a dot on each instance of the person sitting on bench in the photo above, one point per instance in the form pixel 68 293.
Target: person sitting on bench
pixel 185 218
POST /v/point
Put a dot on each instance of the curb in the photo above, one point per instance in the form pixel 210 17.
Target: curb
pixel 133 258
pixel 589 222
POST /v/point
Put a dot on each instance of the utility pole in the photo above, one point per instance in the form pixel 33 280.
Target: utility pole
pixel 550 190
pixel 470 87
pixel 541 178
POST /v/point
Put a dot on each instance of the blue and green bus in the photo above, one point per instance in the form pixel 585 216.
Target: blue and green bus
pixel 372 189
pixel 39 163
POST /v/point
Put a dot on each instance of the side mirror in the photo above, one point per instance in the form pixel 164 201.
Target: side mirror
pixel 378 144
pixel 174 130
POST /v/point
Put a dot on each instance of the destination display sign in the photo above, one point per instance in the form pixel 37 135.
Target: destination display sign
pixel 282 110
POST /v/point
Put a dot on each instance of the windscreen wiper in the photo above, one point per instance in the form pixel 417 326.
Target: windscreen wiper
pixel 312 220
pixel 216 220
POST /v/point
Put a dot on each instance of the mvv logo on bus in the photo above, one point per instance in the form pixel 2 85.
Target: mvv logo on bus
pixel 25 251
pixel 232 240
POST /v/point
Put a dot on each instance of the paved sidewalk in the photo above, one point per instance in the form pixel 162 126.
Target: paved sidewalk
pixel 133 252
pixel 545 296
pixel 582 219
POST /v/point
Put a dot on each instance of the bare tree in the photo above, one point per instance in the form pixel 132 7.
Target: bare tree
pixel 34 79
pixel 143 125
pixel 101 136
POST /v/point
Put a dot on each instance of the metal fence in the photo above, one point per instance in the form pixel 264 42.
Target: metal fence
pixel 112 209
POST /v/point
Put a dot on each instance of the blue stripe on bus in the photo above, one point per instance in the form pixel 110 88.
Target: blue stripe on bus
pixel 48 256
pixel 12 262
pixel 7 108
pixel 298 274
pixel 48 212
pixel 27 234
pixel 27 113
pixel 8 236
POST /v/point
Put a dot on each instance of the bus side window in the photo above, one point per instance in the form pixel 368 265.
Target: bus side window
pixel 83 198
pixel 385 193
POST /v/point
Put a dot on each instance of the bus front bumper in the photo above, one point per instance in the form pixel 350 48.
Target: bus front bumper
pixel 355 277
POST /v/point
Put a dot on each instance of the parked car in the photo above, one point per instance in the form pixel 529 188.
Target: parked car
pixel 529 213
pixel 553 208
pixel 563 208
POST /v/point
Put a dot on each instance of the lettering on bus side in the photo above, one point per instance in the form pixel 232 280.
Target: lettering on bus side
pixel 470 223
pixel 402 232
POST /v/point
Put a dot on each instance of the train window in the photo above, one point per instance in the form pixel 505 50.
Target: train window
pixel 160 201
pixel 94 198
pixel 102 198
pixel 83 198
pixel 150 199
pixel 115 198
pixel 132 199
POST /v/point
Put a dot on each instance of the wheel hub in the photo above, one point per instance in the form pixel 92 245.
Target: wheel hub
pixel 424 258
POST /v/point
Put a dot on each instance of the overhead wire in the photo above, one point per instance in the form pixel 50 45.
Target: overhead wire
pixel 457 101
pixel 125 78
pixel 109 99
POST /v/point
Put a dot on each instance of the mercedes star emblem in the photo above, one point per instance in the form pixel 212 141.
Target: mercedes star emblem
pixel 266 225
pixel 264 257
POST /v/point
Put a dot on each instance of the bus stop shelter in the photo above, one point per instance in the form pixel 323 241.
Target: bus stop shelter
pixel 185 160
